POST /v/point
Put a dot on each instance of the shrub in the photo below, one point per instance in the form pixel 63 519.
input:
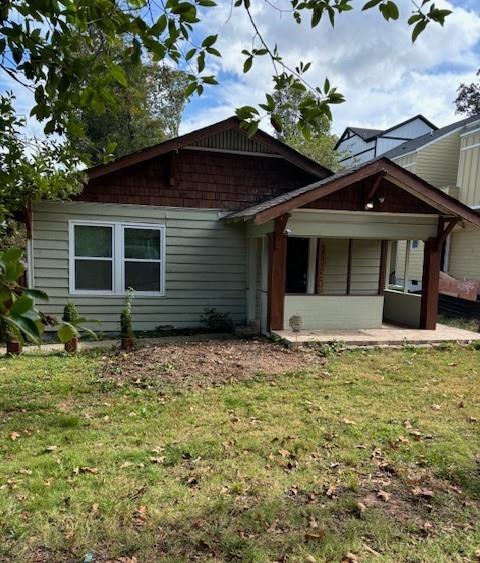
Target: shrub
pixel 215 321
pixel 126 316
pixel 70 313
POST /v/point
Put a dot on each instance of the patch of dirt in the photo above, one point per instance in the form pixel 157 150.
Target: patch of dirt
pixel 210 362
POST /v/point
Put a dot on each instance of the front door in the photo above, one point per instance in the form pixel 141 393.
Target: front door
pixel 297 265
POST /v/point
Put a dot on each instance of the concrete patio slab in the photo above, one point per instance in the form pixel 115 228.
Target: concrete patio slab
pixel 387 335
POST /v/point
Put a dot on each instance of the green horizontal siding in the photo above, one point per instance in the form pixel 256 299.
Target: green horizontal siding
pixel 205 264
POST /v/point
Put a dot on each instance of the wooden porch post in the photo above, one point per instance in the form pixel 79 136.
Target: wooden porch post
pixel 277 254
pixel 430 284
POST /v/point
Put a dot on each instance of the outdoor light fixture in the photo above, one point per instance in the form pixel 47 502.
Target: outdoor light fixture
pixel 369 205
pixel 381 199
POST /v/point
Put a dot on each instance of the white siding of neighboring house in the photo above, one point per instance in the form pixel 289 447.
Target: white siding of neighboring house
pixel 411 130
pixel 408 162
pixel 359 150
pixel 438 163
pixel 464 262
pixel 385 144
pixel 469 169
pixel 205 264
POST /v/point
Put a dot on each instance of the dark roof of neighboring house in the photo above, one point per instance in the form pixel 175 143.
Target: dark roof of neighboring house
pixel 177 143
pixel 365 133
pixel 284 203
pixel 414 144
pixel 370 134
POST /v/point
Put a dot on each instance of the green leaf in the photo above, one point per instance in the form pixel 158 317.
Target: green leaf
pixel 371 4
pixel 247 65
pixel 417 30
pixel 36 294
pixel 12 255
pixel 119 75
pixel 209 41
pixel 66 332
pixel 22 305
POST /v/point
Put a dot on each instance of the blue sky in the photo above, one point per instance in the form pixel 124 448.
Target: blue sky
pixel 384 78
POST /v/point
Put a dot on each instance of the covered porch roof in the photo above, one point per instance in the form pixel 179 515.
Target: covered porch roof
pixel 378 186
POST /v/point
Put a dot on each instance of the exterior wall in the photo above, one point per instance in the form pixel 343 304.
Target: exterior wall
pixel 415 262
pixel 402 308
pixel 365 267
pixel 385 144
pixel 205 265
pixel 359 150
pixel 411 130
pixel 335 312
pixel 359 225
pixel 469 168
pixel 408 162
pixel 464 261
pixel 438 163
pixel 199 179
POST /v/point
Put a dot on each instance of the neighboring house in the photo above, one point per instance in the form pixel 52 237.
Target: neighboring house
pixel 247 226
pixel 449 159
pixel 357 144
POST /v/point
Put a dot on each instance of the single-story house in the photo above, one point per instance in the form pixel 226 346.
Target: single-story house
pixel 246 226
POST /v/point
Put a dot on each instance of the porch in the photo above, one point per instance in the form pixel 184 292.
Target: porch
pixel 324 253
pixel 386 335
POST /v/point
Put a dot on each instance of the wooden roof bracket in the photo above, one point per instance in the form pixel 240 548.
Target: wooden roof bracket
pixel 445 230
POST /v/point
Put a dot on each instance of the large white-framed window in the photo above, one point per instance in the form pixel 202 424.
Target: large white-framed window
pixel 106 258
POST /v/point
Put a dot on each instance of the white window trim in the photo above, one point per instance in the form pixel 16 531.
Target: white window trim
pixel 117 258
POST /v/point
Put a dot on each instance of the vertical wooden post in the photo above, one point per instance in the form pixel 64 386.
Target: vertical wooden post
pixel 319 267
pixel 277 252
pixel 383 266
pixel 349 266
pixel 430 284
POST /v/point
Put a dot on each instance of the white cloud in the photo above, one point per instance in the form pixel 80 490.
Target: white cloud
pixel 383 76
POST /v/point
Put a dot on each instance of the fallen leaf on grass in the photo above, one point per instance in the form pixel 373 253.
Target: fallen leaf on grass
pixel 310 559
pixel 361 507
pixel 383 495
pixel 350 558
pixel 330 491
pixel 25 471
pixel 312 522
pixel 50 449
pixel 436 407
pixel 472 419
pixel 349 422
pixel 422 492
pixel 126 464
pixel 14 436
pixel 158 460
pixel 91 470
pixel 284 453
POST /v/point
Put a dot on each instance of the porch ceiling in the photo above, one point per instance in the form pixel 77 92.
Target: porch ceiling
pixel 373 176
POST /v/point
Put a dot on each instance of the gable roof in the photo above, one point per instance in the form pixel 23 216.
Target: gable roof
pixel 370 134
pixel 193 137
pixel 365 133
pixel 419 142
pixel 268 210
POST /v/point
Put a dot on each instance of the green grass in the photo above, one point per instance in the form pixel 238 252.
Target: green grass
pixel 242 472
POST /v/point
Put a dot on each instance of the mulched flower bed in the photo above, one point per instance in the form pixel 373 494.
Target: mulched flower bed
pixel 207 363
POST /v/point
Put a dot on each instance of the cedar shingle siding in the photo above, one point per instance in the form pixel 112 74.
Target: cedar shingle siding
pixel 202 179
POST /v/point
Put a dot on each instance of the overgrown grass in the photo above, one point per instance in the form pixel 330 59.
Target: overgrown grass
pixel 257 471
pixel 458 322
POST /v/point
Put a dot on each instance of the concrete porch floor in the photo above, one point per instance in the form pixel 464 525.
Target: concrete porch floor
pixel 388 335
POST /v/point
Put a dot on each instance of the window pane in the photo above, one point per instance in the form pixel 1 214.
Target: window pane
pixel 93 274
pixel 142 243
pixel 142 276
pixel 93 241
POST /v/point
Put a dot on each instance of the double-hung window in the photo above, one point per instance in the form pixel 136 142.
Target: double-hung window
pixel 108 258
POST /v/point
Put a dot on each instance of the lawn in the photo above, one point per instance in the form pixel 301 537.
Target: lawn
pixel 370 456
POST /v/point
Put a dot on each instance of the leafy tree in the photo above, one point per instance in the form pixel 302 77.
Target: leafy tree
pixel 468 98
pixel 144 112
pixel 316 142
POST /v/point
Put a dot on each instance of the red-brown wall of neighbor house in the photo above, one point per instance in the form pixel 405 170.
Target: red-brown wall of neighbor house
pixel 200 179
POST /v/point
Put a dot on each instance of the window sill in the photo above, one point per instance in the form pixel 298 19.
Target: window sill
pixel 136 294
